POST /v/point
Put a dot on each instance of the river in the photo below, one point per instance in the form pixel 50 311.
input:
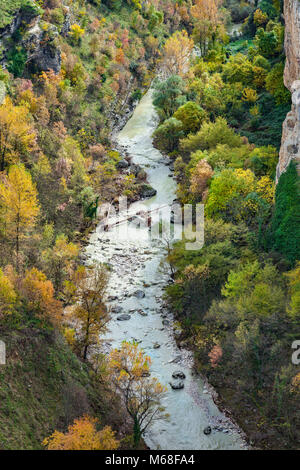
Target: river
pixel 136 263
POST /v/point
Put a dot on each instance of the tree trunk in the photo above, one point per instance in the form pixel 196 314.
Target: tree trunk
pixel 136 432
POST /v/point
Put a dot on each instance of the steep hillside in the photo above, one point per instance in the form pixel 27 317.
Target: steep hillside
pixel 43 387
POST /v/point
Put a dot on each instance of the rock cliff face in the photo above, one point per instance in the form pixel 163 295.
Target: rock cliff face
pixel 290 148
pixel 40 44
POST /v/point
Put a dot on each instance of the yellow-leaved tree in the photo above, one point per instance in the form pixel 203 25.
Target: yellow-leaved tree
pixel 87 289
pixel 8 295
pixel 18 205
pixel 207 19
pixel 17 134
pixel 83 435
pixel 59 260
pixel 141 394
pixel 176 53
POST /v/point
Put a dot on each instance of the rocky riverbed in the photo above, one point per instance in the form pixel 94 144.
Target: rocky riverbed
pixel 135 298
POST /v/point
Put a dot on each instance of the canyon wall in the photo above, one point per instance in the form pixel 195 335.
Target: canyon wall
pixel 290 148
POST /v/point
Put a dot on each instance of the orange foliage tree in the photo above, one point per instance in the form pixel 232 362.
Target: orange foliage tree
pixel 39 293
pixel 83 435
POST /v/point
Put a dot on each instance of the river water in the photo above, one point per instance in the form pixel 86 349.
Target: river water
pixel 137 263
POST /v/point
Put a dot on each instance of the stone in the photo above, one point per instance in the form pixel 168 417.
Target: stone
pixel 165 322
pixel 147 191
pixel 117 309
pixel 124 317
pixel 122 164
pixel 156 346
pixel 142 313
pixel 207 430
pixel 139 294
pixel 177 385
pixel 178 374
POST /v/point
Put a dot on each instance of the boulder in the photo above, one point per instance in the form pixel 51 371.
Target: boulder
pixel 139 294
pixel 178 374
pixel 147 191
pixel 207 430
pixel 117 309
pixel 144 314
pixel 123 317
pixel 177 385
pixel 122 164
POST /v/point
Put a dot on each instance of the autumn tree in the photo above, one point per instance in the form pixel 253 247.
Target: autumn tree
pixel 141 394
pixel 86 289
pixel 39 294
pixel 207 18
pixel 19 205
pixel 176 53
pixel 200 175
pixel 8 295
pixel 59 260
pixel 83 435
pixel 17 136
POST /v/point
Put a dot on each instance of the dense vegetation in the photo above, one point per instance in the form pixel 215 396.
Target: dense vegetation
pixel 57 163
pixel 237 299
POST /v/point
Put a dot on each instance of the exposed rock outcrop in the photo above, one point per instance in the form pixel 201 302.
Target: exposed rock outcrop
pixel 43 53
pixel 290 146
pixel 40 45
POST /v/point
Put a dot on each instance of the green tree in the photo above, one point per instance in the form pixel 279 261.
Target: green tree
pixel 191 115
pixel 167 135
pixel 168 96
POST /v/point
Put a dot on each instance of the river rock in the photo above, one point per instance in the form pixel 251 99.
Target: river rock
pixel 165 322
pixel 178 374
pixel 112 297
pixel 117 309
pixel 177 385
pixel 147 191
pixel 207 430
pixel 135 169
pixel 122 164
pixel 144 314
pixel 139 294
pixel 156 346
pixel 124 317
